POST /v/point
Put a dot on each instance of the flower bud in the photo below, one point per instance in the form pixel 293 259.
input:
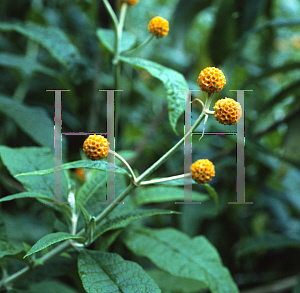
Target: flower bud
pixel 203 171
pixel 158 26
pixel 96 147
pixel 228 111
pixel 211 80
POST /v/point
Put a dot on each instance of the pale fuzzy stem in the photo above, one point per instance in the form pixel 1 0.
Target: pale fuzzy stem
pixel 138 48
pixel 116 25
pixel 125 163
pixel 119 31
pixel 165 179
pixel 122 19
pixel 71 199
pixel 199 102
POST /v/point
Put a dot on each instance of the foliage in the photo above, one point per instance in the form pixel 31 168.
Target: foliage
pixel 145 242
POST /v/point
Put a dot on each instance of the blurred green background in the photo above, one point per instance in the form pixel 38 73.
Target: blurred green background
pixel 257 46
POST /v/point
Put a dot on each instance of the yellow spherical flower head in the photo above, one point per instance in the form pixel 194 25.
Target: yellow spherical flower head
pixel 211 80
pixel 158 26
pixel 228 111
pixel 96 147
pixel 203 171
pixel 129 2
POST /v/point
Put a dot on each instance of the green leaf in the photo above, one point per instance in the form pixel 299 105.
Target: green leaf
pixel 126 218
pixel 174 82
pixel 52 239
pixel 170 284
pixel 90 187
pixel 127 155
pixel 25 63
pixel 108 272
pixel 94 207
pixel 27 159
pixel 107 38
pixel 107 239
pixel 86 215
pixel 291 89
pixel 5 247
pixel 26 195
pixel 212 192
pixel 290 145
pixel 99 165
pixel 280 69
pixel 8 249
pixel 49 287
pixel 52 39
pixel 266 241
pixel 162 194
pixel 297 286
pixel 34 121
pixel 182 256
pixel 279 22
pixel 91 230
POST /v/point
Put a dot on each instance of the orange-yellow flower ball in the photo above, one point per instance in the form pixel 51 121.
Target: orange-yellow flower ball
pixel 211 80
pixel 228 111
pixel 158 26
pixel 203 171
pixel 129 2
pixel 96 147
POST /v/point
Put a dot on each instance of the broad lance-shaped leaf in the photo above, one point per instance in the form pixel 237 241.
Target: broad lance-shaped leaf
pixel 99 165
pixel 182 256
pixel 27 159
pixel 26 64
pixel 26 195
pixel 165 193
pixel 34 121
pixel 91 186
pixel 173 81
pixel 104 272
pixel 52 239
pixel 52 39
pixel 169 283
pixel 125 219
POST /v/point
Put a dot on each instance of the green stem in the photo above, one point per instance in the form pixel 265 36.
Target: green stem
pixel 178 145
pixel 136 49
pixel 112 15
pixel 63 246
pixel 112 206
pixel 118 33
pixel 148 172
pixel 55 251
